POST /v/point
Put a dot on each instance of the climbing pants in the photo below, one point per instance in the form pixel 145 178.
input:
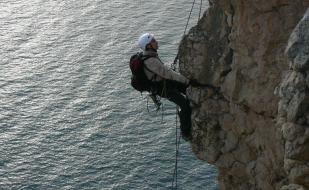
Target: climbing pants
pixel 176 93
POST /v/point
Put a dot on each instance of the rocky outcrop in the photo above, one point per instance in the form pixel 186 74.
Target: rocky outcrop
pixel 251 116
pixel 293 112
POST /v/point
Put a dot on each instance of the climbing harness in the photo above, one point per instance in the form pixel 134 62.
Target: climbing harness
pixel 157 102
pixel 157 99
pixel 177 141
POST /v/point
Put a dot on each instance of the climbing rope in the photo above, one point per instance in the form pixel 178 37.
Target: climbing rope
pixel 199 14
pixel 176 156
pixel 186 27
pixel 175 174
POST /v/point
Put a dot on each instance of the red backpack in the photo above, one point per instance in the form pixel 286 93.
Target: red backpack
pixel 139 80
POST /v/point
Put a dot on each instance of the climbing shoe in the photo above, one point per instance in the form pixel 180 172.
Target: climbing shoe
pixel 186 133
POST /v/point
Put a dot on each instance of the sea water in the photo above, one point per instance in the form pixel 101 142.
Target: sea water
pixel 69 118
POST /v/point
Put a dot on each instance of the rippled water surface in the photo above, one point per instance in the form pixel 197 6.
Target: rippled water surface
pixel 68 116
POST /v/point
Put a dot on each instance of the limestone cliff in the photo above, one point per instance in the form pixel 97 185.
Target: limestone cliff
pixel 251 118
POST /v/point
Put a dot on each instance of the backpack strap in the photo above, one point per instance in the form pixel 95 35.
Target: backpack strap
pixel 144 58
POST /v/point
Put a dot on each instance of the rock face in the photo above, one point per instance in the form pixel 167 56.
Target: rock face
pixel 293 108
pixel 251 118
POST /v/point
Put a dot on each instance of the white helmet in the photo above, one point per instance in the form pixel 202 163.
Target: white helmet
pixel 144 40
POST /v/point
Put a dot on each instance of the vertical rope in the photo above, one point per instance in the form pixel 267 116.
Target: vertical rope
pixel 177 56
pixel 177 142
pixel 199 14
pixel 163 93
pixel 177 139
pixel 189 17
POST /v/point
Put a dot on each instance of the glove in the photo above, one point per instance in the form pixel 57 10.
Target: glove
pixel 194 83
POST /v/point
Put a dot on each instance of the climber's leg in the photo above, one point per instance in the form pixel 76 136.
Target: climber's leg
pixel 174 92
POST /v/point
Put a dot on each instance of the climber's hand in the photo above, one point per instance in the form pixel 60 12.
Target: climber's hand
pixel 194 83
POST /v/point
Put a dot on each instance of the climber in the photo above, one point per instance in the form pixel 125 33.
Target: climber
pixel 166 82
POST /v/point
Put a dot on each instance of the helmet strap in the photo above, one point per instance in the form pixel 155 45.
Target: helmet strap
pixel 149 47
